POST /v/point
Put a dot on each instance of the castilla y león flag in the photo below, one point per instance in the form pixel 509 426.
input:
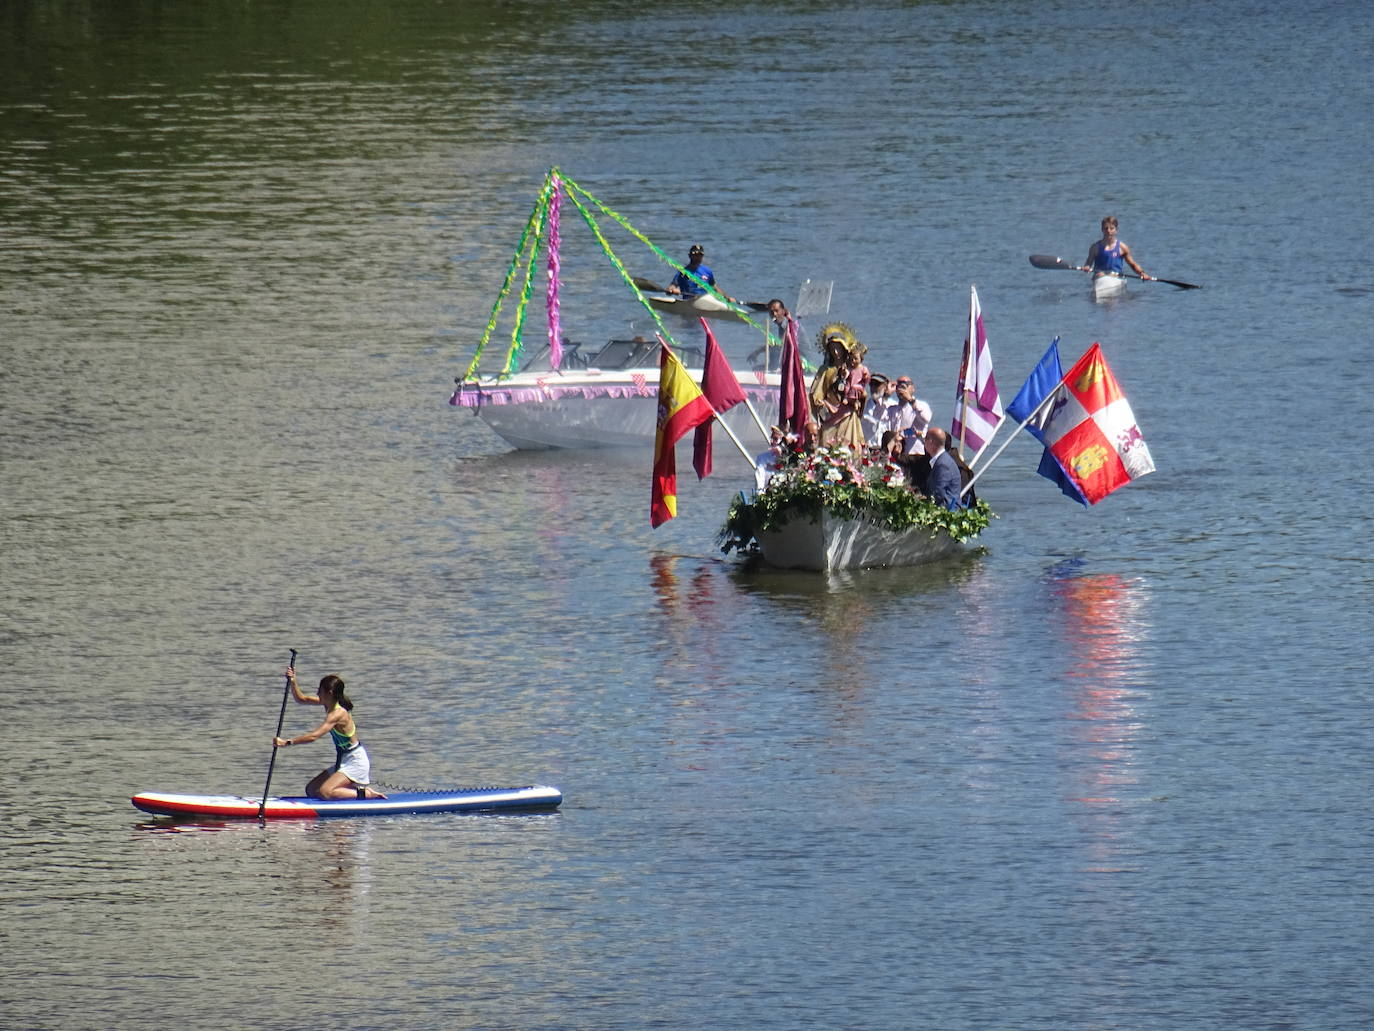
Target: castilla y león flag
pixel 1091 431
pixel 681 407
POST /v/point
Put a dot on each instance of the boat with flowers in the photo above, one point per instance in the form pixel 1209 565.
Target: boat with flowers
pixel 558 395
pixel 835 508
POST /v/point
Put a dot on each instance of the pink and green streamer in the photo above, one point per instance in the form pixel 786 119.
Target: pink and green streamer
pixel 554 268
pixel 535 220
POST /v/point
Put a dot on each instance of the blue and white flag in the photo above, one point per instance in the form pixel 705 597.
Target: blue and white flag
pixel 1045 378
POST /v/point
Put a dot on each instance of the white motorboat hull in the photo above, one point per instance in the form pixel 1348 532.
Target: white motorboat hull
pixel 537 411
pixel 833 543
pixel 1107 287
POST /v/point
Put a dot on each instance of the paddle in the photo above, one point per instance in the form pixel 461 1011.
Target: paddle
pixel 1048 261
pixel 281 718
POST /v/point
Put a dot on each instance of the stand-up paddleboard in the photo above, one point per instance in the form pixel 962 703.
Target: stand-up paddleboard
pixel 457 800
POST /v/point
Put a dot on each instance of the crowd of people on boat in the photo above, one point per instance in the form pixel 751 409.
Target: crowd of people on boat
pixel 873 415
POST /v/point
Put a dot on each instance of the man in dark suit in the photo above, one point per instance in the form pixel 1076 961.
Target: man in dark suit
pixel 943 481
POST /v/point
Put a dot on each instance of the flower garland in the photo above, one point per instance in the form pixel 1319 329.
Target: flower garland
pixel 848 483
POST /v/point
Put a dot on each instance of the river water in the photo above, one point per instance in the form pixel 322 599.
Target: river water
pixel 1110 772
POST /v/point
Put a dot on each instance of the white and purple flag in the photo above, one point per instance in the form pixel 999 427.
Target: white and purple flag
pixel 977 407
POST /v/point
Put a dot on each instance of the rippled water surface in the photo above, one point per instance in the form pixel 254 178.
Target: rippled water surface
pixel 1109 772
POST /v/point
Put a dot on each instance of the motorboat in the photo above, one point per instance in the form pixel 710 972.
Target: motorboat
pixel 572 398
pixel 606 399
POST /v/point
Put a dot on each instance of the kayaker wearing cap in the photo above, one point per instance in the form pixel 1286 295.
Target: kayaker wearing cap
pixel 683 284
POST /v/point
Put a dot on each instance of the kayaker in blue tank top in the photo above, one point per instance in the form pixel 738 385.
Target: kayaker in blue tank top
pixel 1109 255
pixel 684 285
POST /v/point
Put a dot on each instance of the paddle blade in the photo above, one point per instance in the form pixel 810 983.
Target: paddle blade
pixel 1049 261
pixel 1181 286
pixel 648 285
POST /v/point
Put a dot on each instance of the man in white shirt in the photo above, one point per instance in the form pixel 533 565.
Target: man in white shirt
pixel 910 417
pixel 770 461
pixel 880 399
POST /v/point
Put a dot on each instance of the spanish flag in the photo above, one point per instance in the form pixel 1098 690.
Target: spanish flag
pixel 681 407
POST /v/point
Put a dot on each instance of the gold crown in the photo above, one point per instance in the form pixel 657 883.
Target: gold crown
pixel 841 332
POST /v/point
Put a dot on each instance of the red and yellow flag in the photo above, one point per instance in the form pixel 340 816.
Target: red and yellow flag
pixel 681 407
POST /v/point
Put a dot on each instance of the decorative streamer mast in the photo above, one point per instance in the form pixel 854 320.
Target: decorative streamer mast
pixel 558 394
pixel 543 231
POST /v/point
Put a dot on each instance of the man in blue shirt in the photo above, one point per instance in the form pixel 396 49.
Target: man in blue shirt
pixel 684 285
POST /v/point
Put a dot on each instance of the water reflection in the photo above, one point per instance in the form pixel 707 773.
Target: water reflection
pixel 872 589
pixel 695 615
pixel 1105 624
pixel 330 856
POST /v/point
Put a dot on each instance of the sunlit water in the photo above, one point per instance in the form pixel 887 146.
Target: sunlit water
pixel 1107 773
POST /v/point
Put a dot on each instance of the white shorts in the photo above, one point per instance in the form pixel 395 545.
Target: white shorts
pixel 355 765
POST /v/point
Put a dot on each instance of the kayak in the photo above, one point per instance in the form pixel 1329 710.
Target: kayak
pixel 702 305
pixel 1106 287
pixel 456 800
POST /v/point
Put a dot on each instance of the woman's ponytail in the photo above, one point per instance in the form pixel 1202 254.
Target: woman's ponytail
pixel 335 686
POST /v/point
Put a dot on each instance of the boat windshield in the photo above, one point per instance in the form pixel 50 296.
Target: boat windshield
pixel 637 353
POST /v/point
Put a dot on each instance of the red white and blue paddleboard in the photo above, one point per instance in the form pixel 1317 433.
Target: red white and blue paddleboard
pixel 458 800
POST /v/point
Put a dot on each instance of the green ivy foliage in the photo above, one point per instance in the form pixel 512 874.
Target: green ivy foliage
pixel 846 486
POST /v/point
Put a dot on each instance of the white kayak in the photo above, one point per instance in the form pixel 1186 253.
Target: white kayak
pixel 1108 286
pixel 702 305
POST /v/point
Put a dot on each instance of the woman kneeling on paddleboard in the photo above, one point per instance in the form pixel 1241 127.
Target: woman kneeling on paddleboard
pixel 351 772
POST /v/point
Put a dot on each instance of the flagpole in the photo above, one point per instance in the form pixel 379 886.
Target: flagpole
pixel 747 456
pixel 979 453
pixel 747 403
pixel 1049 396
pixel 970 348
pixel 757 421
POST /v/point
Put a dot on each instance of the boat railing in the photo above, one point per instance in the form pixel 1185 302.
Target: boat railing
pixel 614 355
